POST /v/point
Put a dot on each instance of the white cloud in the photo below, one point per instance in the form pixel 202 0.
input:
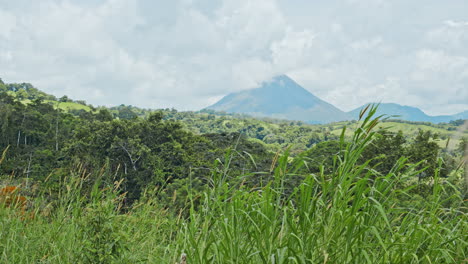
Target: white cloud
pixel 368 3
pixel 367 44
pixel 452 35
pixel 439 61
pixel 8 24
pixel 293 50
pixel 456 24
pixel 188 53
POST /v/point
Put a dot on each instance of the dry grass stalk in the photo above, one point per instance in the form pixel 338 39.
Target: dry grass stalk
pixel 183 259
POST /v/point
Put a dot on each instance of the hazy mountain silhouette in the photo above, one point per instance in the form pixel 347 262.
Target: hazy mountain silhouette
pixel 410 113
pixel 281 98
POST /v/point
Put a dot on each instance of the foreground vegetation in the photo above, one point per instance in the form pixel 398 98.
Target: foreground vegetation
pixel 347 213
pixel 80 184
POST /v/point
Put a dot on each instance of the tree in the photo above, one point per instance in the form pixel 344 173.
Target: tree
pixel 21 94
pixel 322 153
pixel 125 112
pixel 104 115
pixel 3 87
pixel 384 151
pixel 64 99
pixel 424 149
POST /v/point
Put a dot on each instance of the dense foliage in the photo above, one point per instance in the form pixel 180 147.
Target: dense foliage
pixel 46 143
pixel 118 186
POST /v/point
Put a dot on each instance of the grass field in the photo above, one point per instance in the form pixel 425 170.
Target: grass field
pixel 68 106
pixel 444 134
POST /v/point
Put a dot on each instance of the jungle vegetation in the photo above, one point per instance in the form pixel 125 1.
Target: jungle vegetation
pixel 119 185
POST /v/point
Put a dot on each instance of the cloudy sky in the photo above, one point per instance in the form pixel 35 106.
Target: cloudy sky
pixel 187 54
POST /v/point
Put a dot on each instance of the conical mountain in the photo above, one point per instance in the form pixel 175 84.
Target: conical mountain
pixel 281 98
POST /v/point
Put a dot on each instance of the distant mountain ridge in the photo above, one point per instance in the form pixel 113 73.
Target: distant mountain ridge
pixel 410 113
pixel 281 98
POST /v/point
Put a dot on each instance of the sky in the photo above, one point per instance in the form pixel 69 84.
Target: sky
pixel 187 54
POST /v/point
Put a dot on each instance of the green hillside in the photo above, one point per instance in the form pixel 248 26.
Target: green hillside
pixel 275 134
pixel 279 134
pixel 130 185
pixel 446 132
pixel 70 106
pixel 26 93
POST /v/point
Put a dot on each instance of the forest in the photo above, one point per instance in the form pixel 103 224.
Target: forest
pixel 86 184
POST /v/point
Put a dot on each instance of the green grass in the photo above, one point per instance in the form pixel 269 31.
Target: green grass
pixel 353 215
pixel 411 130
pixel 67 106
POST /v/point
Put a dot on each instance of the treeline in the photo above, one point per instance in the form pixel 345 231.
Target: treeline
pixel 453 124
pixel 169 150
pixel 44 144
pixel 387 148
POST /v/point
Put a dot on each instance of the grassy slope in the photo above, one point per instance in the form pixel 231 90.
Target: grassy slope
pixel 65 106
pixel 412 130
pixel 199 123
pixel 68 106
